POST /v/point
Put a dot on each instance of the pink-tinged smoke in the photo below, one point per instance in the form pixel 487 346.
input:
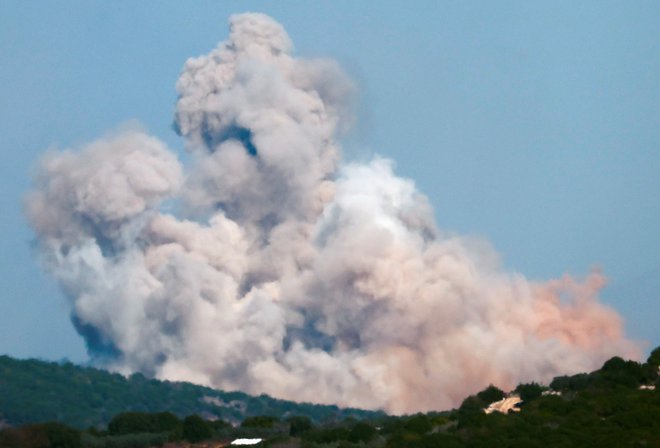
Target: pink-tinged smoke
pixel 285 271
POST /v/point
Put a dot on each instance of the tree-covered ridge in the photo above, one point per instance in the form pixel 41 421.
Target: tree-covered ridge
pixel 615 406
pixel 36 391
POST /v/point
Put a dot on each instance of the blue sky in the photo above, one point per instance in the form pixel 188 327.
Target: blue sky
pixel 535 125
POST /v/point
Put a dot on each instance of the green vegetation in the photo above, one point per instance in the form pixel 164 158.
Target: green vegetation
pixel 490 395
pixel 136 422
pixel 654 358
pixel 33 391
pixel 195 429
pixel 605 408
pixel 53 435
pixel 298 425
pixel 529 392
pixel 260 421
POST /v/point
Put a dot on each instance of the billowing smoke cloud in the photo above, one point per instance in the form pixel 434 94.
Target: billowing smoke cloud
pixel 284 271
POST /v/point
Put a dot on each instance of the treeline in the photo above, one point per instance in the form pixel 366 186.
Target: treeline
pixel 615 406
pixel 33 391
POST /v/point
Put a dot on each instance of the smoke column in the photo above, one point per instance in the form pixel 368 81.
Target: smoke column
pixel 285 271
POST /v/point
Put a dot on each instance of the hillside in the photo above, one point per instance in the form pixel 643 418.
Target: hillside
pixel 615 406
pixel 38 391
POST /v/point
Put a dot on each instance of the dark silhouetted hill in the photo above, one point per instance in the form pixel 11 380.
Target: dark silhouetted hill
pixel 37 391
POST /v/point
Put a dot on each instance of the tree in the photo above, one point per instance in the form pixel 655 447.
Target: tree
pixel 164 422
pixel 51 435
pixel 362 432
pixel 617 371
pixel 438 440
pixel 260 421
pixel 471 412
pixel 654 357
pixel 128 423
pixel 419 424
pixel 62 436
pixel 490 395
pixel 138 422
pixel 298 425
pixel 529 391
pixel 575 382
pixel 195 429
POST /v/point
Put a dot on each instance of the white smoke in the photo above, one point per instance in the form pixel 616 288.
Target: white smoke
pixel 284 272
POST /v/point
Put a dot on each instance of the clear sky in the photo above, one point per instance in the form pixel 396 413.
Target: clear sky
pixel 535 125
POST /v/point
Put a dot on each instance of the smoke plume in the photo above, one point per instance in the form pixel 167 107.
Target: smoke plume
pixel 285 271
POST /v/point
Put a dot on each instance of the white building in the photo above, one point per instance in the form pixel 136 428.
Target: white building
pixel 246 442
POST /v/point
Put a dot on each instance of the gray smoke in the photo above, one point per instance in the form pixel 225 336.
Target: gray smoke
pixel 285 271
